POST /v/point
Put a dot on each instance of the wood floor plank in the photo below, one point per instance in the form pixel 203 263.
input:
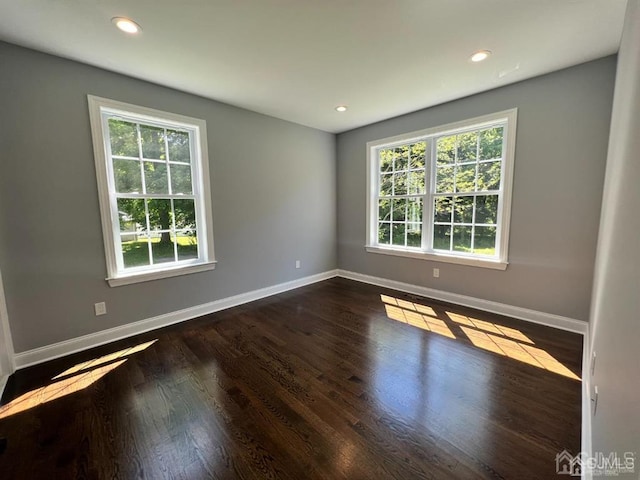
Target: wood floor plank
pixel 334 380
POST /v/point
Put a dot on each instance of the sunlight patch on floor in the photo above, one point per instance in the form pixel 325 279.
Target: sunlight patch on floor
pixel 56 390
pixel 518 351
pixel 409 305
pixel 489 327
pixel 414 318
pixel 505 341
pixel 105 359
pixel 76 378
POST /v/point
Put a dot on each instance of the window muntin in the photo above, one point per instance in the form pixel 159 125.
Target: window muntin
pixel 444 193
pixel 150 176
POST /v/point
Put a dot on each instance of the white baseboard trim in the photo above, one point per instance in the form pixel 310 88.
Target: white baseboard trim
pixel 548 319
pixel 67 347
pixel 586 445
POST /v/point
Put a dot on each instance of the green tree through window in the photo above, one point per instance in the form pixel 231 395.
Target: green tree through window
pixel 152 171
pixel 443 191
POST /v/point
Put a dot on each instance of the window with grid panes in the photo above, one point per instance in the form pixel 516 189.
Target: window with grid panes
pixel 151 169
pixel 444 194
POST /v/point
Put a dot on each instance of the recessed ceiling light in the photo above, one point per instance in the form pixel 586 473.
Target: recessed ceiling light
pixel 480 55
pixel 341 108
pixel 126 25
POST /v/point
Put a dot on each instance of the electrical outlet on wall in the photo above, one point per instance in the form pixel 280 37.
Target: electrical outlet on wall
pixel 100 308
pixel 436 273
pixel 298 263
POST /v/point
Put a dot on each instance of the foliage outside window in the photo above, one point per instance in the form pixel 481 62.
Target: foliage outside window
pixel 155 204
pixel 444 193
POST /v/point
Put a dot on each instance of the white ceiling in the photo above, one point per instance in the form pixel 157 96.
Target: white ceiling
pixel 298 59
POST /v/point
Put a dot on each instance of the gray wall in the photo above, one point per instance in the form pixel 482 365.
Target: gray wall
pixel 616 295
pixel 563 128
pixel 272 183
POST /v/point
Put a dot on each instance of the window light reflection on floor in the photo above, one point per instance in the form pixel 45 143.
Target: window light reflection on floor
pixel 106 359
pixel 505 341
pixel 409 305
pixel 518 351
pixel 408 312
pixel 56 390
pixel 76 378
pixel 489 327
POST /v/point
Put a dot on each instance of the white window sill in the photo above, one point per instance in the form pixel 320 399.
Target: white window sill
pixel 156 275
pixel 438 257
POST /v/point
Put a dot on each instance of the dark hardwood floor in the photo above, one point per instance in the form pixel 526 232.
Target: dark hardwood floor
pixel 335 380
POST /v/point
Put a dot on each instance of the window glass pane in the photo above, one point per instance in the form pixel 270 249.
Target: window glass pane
pixel 185 212
pixel 462 239
pixel 187 245
pixel 491 143
pixel 463 210
pixel 414 234
pixel 386 184
pixel 398 234
pixel 159 214
pixel 467 147
pixel 135 251
pixel 131 214
pixel 446 149
pixel 386 160
pixel 124 138
pixel 181 179
pixel 442 209
pixel 442 237
pixel 127 176
pixel 466 178
pixel 489 176
pixel 402 158
pixel 384 210
pixel 484 241
pixel 155 177
pixel 163 249
pixel 416 182
pixel 152 139
pixel 400 210
pixel 486 209
pixel 444 179
pixel 384 233
pixel 417 152
pixel 414 210
pixel 400 183
pixel 179 150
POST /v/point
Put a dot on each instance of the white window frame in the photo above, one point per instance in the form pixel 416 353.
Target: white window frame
pixel 99 110
pixel 500 261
